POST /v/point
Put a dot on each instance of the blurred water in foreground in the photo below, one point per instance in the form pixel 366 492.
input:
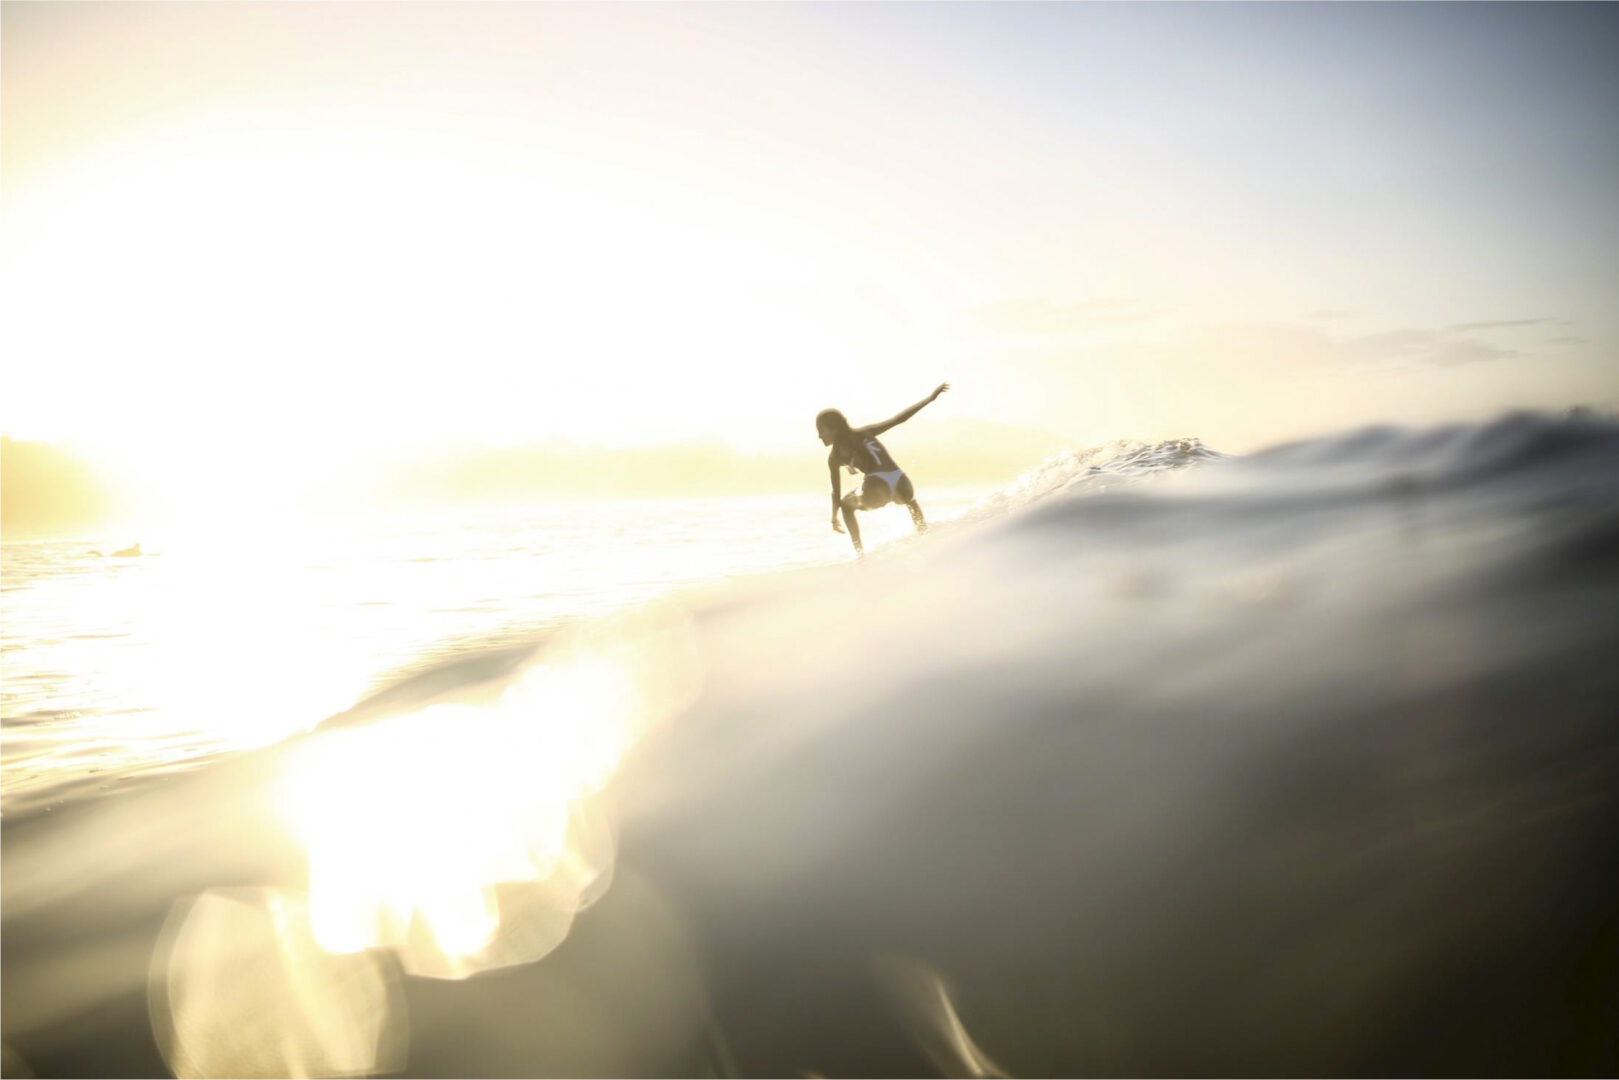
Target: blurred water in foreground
pixel 1158 763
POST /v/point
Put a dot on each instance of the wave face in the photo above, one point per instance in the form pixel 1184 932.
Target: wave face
pixel 1162 762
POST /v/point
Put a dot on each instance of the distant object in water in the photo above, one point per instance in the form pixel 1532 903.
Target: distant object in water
pixel 130 552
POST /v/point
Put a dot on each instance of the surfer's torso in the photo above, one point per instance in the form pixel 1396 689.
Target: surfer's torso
pixel 884 478
pixel 865 453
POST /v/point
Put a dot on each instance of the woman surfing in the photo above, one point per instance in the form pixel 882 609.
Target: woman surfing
pixel 859 449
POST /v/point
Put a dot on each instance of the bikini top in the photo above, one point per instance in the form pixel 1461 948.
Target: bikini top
pixel 867 455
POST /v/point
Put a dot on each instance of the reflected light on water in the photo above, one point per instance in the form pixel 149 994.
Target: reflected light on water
pixel 462 837
pixel 466 837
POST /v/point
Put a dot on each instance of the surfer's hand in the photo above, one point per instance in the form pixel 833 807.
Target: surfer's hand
pixel 942 388
pixel 837 526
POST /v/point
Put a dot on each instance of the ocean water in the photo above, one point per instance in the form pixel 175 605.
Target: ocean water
pixel 224 638
pixel 1161 761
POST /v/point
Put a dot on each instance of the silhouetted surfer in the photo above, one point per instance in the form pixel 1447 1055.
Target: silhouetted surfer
pixel 859 449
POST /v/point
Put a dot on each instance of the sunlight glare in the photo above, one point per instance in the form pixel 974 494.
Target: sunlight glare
pixel 318 298
pixel 466 837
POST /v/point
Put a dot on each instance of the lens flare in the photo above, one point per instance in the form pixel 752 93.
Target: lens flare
pixel 921 1000
pixel 240 988
pixel 467 837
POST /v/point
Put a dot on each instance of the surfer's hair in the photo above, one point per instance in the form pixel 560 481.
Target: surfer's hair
pixel 832 420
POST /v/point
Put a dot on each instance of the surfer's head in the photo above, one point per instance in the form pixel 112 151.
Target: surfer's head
pixel 830 425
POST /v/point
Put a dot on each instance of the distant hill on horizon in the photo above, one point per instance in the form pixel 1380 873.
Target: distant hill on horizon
pixel 949 453
pixel 51 491
pixel 48 491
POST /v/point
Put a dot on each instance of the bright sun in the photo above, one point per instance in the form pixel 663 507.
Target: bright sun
pixel 220 312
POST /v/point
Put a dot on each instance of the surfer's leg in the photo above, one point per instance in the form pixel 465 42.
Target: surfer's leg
pixel 906 496
pixel 848 505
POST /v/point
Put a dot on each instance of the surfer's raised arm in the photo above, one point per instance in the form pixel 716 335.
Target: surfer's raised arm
pixel 878 429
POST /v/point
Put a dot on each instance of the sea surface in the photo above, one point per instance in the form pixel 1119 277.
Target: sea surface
pixel 1160 761
pixel 213 640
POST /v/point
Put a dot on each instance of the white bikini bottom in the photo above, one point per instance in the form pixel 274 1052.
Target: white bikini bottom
pixel 893 478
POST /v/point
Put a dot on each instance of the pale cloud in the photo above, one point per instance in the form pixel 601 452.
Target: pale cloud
pixel 1409 347
pixel 1441 348
pixel 1467 351
pixel 1504 324
pixel 1042 315
pixel 1391 345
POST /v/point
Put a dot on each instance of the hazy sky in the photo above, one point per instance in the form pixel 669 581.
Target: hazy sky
pixel 283 231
